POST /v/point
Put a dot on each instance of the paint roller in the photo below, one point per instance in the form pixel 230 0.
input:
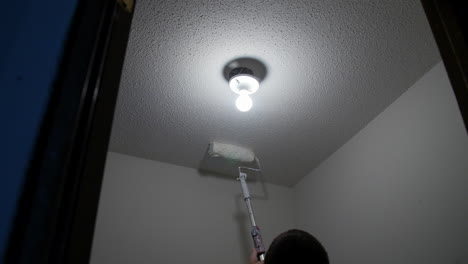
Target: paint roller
pixel 241 156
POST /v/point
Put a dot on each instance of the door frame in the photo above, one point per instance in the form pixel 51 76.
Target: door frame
pixel 56 212
pixel 449 25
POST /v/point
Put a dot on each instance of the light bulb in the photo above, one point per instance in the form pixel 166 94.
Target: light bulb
pixel 244 102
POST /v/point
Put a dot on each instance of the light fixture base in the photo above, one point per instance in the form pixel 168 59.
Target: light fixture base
pixel 243 81
pixel 240 70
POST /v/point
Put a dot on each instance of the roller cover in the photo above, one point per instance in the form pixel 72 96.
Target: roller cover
pixel 231 152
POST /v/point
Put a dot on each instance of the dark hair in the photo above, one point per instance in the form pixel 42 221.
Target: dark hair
pixel 296 246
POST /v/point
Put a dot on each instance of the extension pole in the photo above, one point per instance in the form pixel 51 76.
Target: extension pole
pixel 255 232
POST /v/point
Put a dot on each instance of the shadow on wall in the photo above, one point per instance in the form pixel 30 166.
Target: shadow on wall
pixel 262 195
pixel 240 217
pixel 222 168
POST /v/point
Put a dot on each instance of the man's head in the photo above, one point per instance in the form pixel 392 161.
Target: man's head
pixel 296 246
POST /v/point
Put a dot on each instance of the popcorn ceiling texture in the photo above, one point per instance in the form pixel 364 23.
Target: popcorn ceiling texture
pixel 332 67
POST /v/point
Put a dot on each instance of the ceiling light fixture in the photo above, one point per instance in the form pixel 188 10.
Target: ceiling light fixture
pixel 243 83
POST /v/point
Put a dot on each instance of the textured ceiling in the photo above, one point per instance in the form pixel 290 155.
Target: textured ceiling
pixel 331 66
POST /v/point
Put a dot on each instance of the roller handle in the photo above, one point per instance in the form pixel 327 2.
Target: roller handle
pixel 258 242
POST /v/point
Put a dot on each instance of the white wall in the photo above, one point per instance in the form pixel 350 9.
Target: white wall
pixel 397 192
pixel 153 212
